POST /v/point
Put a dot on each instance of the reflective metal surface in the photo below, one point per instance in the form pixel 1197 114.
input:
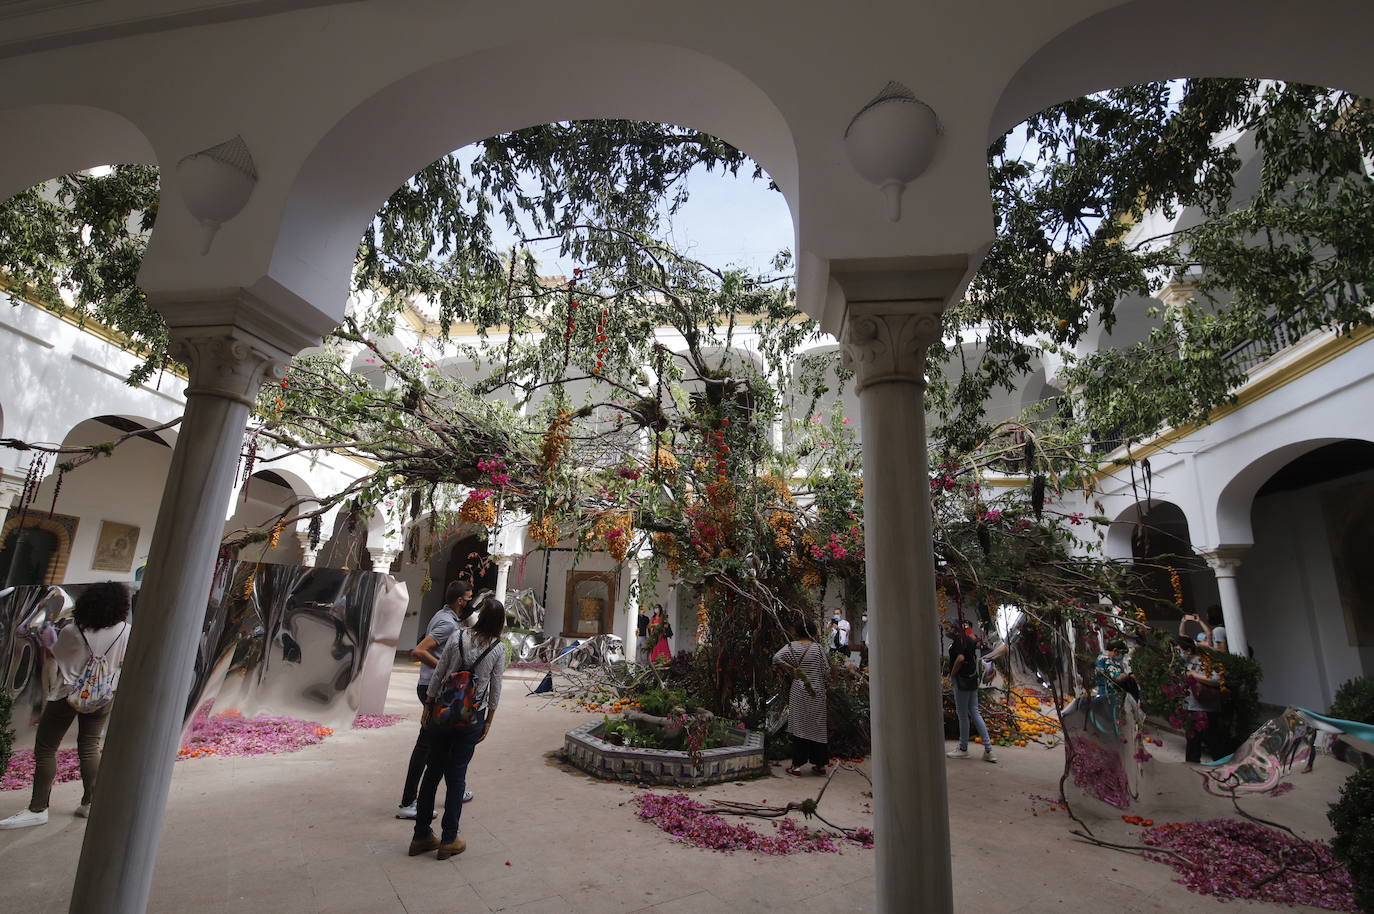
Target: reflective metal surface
pixel 292 643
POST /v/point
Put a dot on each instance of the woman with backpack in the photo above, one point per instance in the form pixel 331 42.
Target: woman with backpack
pixel 88 654
pixel 462 699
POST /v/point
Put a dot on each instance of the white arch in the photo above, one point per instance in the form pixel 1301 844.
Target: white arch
pixel 45 141
pixel 1323 44
pixel 1233 504
pixel 431 112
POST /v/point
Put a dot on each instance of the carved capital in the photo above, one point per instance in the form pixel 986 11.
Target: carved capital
pixel 224 362
pixel 886 341
pixel 1225 561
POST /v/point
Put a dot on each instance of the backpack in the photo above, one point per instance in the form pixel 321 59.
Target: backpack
pixel 456 705
pixel 95 685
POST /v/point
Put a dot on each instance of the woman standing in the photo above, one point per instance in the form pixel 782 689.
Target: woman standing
pixel 810 669
pixel 480 651
pixel 99 631
pixel 660 630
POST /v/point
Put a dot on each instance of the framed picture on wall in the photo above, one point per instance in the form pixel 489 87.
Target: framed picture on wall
pixel 589 604
pixel 114 547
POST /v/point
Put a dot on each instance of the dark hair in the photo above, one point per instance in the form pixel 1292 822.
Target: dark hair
pixel 101 605
pixel 807 628
pixel 1187 644
pixel 491 619
pixel 1214 616
pixel 1116 644
pixel 456 590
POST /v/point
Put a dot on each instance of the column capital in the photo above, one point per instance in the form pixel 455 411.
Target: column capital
pixel 382 557
pixel 1177 292
pixel 886 341
pixel 1225 561
pixel 229 339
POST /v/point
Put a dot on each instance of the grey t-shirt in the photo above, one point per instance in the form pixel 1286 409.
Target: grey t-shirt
pixel 441 628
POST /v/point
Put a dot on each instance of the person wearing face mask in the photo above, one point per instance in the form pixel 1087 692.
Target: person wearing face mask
pixel 839 633
pixel 863 642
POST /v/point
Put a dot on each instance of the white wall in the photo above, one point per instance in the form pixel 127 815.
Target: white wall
pixel 125 487
pixel 1292 603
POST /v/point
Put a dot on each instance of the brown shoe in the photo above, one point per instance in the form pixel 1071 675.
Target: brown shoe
pixel 423 845
pixel 451 848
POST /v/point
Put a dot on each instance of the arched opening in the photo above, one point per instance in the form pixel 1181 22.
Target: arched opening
pixel 1175 580
pixel 1307 583
pixel 101 511
pixel 265 497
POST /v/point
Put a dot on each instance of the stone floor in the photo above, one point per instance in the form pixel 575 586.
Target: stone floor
pixel 313 831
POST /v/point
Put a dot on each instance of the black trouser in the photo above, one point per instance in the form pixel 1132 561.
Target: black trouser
pixel 450 751
pixel 808 750
pixel 418 756
pixel 1209 736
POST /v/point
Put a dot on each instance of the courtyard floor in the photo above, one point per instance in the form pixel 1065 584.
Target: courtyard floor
pixel 313 831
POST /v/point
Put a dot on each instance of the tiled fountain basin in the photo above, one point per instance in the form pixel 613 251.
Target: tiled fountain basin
pixel 585 749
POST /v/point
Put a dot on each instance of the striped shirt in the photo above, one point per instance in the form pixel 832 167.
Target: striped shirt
pixel 488 672
pixel 806 702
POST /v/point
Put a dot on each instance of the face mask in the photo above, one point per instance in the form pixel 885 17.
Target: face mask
pixel 836 616
pixel 865 618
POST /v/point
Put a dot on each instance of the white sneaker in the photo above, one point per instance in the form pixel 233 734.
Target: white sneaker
pixel 25 819
pixel 405 812
pixel 467 796
pixel 957 753
pixel 83 811
pixel 989 757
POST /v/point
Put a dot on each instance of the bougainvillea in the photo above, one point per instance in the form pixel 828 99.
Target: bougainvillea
pixel 1231 858
pixel 689 822
pixel 376 721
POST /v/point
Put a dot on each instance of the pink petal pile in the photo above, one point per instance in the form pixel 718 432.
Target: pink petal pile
pixel 688 822
pixel 231 733
pixel 376 721
pixel 1229 858
pixel 20 773
pixel 1098 773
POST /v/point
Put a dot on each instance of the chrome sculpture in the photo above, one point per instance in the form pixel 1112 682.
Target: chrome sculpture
pixel 291 642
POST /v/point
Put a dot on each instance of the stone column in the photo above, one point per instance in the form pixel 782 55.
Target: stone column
pixel 226 363
pixel 11 488
pixel 631 610
pixel 308 555
pixel 885 345
pixel 382 557
pixel 1225 562
pixel 503 563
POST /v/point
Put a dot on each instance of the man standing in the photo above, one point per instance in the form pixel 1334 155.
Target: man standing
pixel 441 627
pixel 839 633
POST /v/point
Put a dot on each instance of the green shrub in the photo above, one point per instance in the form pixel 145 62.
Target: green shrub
pixel 6 731
pixel 661 702
pixel 1352 817
pixel 1355 701
pixel 847 712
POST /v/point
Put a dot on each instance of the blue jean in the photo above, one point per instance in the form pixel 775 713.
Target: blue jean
pixel 966 703
pixel 450 751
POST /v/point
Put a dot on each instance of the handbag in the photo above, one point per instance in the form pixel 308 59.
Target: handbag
pixel 1206 691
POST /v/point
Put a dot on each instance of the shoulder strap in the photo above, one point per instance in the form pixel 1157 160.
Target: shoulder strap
pixel 483 656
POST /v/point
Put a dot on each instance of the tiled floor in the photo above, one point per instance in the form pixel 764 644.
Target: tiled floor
pixel 313 832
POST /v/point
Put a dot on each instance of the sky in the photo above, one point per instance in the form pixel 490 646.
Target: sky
pixel 726 221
